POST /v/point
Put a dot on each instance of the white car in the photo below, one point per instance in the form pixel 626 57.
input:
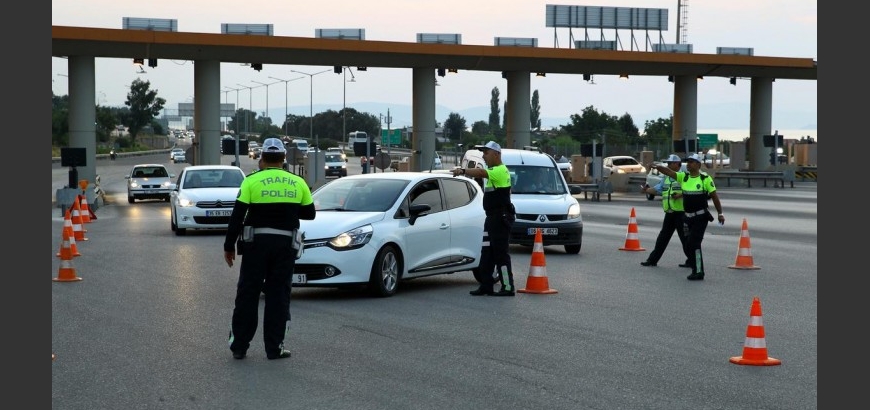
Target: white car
pixel 175 152
pixel 717 160
pixel 148 181
pixel 203 197
pixel 380 229
pixel 621 164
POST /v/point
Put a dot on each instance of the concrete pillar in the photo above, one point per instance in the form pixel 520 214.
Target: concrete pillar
pixel 83 113
pixel 423 102
pixel 685 109
pixel 519 109
pixel 206 117
pixel 760 113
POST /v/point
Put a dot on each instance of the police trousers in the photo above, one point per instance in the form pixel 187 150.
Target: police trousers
pixel 673 221
pixel 495 260
pixel 267 267
pixel 696 226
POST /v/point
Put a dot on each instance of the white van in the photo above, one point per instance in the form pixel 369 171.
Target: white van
pixel 541 197
pixel 301 145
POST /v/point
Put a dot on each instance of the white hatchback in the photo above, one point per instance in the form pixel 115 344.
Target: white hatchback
pixel 203 197
pixel 378 229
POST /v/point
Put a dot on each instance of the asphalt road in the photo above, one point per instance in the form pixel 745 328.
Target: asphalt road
pixel 147 325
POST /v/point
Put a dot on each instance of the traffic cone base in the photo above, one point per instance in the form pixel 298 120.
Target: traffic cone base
pixel 66 272
pixel 744 250
pixel 632 241
pixel 537 281
pixel 755 347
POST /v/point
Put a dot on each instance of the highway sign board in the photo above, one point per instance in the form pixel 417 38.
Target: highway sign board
pixel 394 137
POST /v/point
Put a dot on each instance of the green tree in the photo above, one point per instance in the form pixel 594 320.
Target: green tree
pixel 494 111
pixel 454 126
pixel 660 130
pixel 106 122
pixel 144 105
pixel 480 128
pixel 535 117
pixel 59 120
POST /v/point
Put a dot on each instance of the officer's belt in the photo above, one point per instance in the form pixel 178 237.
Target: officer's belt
pixel 691 214
pixel 273 231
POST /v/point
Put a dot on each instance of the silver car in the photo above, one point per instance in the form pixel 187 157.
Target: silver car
pixel 148 181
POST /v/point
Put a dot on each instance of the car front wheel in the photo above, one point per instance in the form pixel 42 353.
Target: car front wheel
pixel 384 278
pixel 572 249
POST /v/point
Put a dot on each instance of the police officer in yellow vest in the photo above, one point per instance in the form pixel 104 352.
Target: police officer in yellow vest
pixel 270 203
pixel 697 187
pixel 672 204
pixel 500 216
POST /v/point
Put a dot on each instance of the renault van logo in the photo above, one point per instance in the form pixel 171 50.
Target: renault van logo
pixel 542 218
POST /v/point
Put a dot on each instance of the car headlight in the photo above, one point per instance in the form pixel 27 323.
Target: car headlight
pixel 134 184
pixel 166 184
pixel 352 239
pixel 620 171
pixel 574 211
pixel 643 169
pixel 185 202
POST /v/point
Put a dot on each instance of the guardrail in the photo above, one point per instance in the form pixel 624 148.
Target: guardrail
pixel 596 189
pixel 779 177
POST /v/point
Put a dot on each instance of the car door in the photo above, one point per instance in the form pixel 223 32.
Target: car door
pixel 427 241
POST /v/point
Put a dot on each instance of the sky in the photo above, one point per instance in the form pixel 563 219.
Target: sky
pixel 777 28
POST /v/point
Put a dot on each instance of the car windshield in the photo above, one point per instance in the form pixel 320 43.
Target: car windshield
pixel 150 172
pixel 333 158
pixel 360 195
pixel 624 161
pixel 213 178
pixel 536 180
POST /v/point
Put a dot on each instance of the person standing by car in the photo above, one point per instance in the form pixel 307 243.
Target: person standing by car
pixel 364 163
pixel 500 216
pixel 672 203
pixel 697 187
pixel 270 203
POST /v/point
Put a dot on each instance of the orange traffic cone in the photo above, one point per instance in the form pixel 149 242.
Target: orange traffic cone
pixel 85 211
pixel 744 251
pixel 537 281
pixel 755 348
pixel 69 234
pixel 632 242
pixel 66 272
pixel 78 230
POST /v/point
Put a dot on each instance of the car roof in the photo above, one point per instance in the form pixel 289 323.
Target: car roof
pixel 149 165
pixel 401 175
pixel 196 167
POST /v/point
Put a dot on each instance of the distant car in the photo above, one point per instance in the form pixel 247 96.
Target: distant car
pixel 621 164
pixel 174 152
pixel 182 157
pixel 654 177
pixel 148 181
pixel 717 160
pixel 394 164
pixel 334 165
pixel 565 166
pixel 254 152
pixel 378 230
pixel 203 197
pixel 338 150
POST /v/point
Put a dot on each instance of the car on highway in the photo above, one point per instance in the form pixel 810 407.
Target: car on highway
pixel 148 181
pixel 337 150
pixel 334 165
pixel 565 167
pixel 254 152
pixel 717 160
pixel 621 164
pixel 550 206
pixel 377 230
pixel 203 197
pixel 174 152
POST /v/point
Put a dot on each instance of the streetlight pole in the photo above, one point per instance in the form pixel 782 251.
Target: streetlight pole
pixel 286 94
pixel 250 105
pixel 267 102
pixel 311 117
pixel 344 104
pixel 236 121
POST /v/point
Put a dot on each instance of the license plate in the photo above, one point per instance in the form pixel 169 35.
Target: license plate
pixel 219 213
pixel 545 231
pixel 298 278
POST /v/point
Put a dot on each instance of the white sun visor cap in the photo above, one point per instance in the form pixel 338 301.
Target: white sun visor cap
pixel 274 145
pixel 673 158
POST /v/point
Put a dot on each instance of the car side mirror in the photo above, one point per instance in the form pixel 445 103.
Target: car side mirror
pixel 418 210
pixel 575 190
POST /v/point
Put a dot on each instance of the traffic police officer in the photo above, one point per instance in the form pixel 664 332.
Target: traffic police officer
pixel 697 187
pixel 270 203
pixel 500 216
pixel 672 204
